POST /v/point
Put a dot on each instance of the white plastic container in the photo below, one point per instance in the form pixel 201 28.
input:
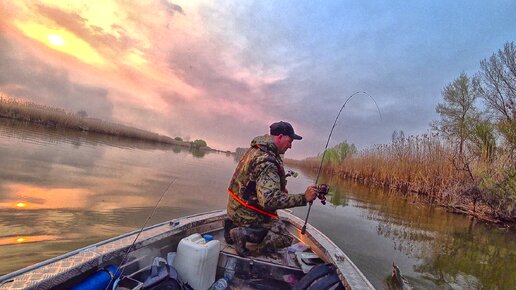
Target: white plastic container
pixel 196 261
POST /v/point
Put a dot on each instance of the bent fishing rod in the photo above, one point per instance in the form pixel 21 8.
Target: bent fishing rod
pixel 325 189
pixel 119 271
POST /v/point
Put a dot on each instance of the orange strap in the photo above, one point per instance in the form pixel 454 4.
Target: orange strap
pixel 250 206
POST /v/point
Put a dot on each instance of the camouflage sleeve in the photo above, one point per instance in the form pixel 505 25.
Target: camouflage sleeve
pixel 268 189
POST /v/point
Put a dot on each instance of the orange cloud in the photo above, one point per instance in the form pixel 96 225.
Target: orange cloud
pixel 71 44
pixel 158 61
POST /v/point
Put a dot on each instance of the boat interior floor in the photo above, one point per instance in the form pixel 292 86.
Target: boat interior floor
pixel 280 258
pixel 275 271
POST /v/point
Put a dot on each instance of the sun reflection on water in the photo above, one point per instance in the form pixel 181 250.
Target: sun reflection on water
pixel 26 239
pixel 22 196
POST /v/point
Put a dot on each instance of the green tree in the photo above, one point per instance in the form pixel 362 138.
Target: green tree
pixel 339 152
pixel 498 85
pixel 331 156
pixel 484 141
pixel 345 150
pixel 457 111
pixel 199 143
pixel 498 89
pixel 178 139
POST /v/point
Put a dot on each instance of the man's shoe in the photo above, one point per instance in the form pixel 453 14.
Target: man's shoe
pixel 239 238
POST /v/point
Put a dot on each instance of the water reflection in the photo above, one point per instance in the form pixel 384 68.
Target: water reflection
pixel 337 197
pixel 198 153
pixel 61 190
pixel 24 197
pixel 471 259
pixel 39 134
pixel 26 239
pixel 434 249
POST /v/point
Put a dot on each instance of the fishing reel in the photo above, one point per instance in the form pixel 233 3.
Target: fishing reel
pixel 291 173
pixel 322 191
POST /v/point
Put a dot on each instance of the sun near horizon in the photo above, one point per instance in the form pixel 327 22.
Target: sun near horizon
pixel 55 39
pixel 62 40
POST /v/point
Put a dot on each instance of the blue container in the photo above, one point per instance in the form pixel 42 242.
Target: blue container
pixel 99 280
pixel 208 238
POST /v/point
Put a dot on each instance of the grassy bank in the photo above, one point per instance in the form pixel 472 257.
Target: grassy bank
pixel 427 165
pixel 54 117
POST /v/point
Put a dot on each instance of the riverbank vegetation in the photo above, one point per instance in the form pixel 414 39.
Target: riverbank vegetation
pixel 21 110
pixel 467 162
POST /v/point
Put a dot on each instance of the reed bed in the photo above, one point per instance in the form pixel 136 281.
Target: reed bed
pixel 427 165
pixel 31 112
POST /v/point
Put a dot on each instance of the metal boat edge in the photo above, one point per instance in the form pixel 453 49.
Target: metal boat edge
pixel 58 270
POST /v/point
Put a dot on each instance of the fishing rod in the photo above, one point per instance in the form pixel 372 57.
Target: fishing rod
pixel 323 189
pixel 149 217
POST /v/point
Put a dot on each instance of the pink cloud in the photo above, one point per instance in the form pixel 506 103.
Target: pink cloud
pixel 166 72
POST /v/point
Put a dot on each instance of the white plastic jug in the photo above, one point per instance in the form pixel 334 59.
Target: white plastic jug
pixel 196 261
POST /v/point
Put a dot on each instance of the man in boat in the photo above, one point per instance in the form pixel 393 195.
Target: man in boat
pixel 257 189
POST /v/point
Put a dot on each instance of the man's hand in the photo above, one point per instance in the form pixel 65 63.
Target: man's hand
pixel 311 193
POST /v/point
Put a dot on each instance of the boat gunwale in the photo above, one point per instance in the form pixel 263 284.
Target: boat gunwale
pixel 348 272
pixel 170 228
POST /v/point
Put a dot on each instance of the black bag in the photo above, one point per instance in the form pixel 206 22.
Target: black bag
pixel 320 277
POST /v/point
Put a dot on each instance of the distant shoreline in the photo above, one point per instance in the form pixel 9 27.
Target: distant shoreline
pixel 11 108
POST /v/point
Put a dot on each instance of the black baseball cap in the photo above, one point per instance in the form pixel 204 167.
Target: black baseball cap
pixel 284 128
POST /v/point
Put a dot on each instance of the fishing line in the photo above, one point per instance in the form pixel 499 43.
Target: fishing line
pixel 303 231
pixel 149 217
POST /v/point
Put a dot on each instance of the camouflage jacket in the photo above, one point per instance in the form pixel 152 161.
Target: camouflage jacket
pixel 259 180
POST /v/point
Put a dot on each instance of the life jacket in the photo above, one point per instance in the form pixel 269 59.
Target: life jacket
pixel 247 195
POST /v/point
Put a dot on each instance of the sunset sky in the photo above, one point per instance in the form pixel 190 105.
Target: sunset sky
pixel 222 71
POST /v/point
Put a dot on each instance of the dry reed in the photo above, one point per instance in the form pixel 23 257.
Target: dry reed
pixel 31 112
pixel 427 165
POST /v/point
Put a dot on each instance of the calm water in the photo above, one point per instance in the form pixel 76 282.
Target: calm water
pixel 62 190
